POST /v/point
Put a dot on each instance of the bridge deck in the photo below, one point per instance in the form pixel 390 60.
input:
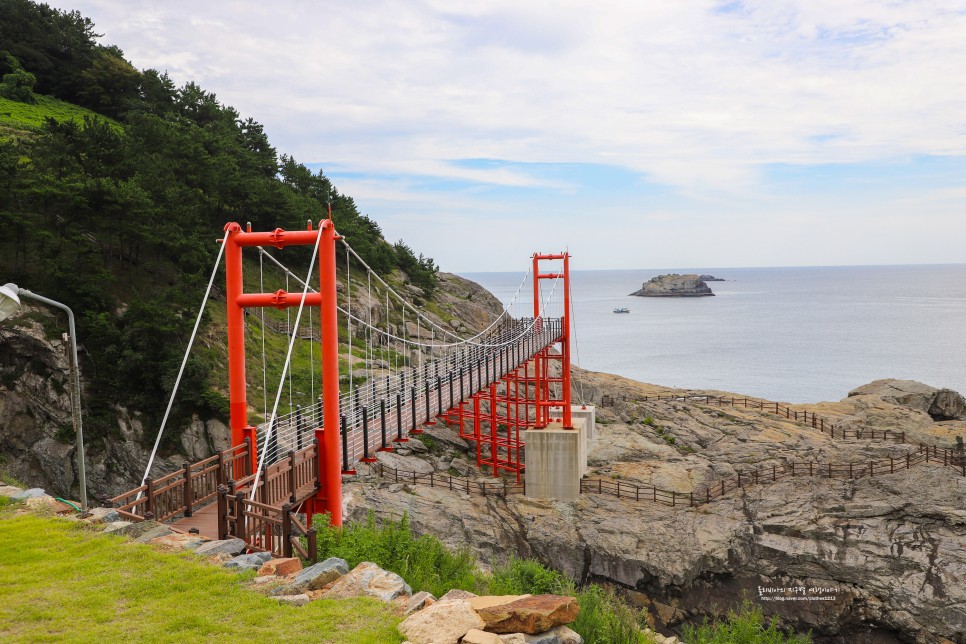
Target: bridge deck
pixel 205 520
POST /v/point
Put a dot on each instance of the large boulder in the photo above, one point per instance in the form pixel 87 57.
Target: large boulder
pixel 530 614
pixel 445 622
pixel 316 576
pixel 369 579
pixel 939 404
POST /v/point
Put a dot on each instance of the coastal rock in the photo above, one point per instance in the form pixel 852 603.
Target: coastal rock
pixel 530 615
pixel 231 547
pixel 369 579
pixel 892 548
pixel 710 278
pixel 445 622
pixel 938 404
pixel 280 566
pixel 674 285
pixel 253 561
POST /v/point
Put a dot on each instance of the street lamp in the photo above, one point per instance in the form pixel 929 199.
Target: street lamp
pixel 10 305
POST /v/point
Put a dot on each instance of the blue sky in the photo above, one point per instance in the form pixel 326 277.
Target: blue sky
pixel 687 133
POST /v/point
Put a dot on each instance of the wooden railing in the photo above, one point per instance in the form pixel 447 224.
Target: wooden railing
pixel 435 479
pixel 181 491
pixel 290 480
pixel 264 527
pixel 927 454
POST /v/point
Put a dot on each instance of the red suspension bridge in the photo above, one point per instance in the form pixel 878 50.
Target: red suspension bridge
pixel 493 386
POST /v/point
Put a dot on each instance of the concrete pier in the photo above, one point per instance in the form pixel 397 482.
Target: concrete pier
pixel 556 459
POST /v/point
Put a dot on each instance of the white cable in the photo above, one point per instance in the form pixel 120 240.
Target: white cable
pixel 261 286
pixel 177 382
pixel 288 361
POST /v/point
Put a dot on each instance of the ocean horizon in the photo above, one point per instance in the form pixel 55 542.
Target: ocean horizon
pixel 793 334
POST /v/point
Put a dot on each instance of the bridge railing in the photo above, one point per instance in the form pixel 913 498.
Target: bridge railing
pixel 179 492
pixel 264 527
pixel 291 480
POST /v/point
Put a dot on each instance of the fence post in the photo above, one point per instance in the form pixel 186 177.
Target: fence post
pixel 240 517
pixel 222 475
pixel 222 517
pixel 313 546
pixel 908 461
pixel 291 476
pixel 691 494
pixel 871 468
pixel 654 493
pixel 722 487
pixel 149 495
pixel 188 493
pixel 793 469
pixel 286 530
pixel 774 473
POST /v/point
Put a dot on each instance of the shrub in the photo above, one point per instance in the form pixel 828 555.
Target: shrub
pixel 648 421
pixel 605 619
pixel 424 562
pixel 746 626
pixel 526 576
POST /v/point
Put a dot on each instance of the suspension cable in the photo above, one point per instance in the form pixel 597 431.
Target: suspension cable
pixel 285 369
pixel 184 361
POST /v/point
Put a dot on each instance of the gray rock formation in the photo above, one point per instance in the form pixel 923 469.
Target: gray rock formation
pixel 710 278
pixel 940 404
pixel 674 285
pixel 884 558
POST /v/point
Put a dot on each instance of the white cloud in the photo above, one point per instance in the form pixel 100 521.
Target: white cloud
pixel 695 94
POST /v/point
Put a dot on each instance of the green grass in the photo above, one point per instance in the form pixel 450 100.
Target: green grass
pixel 61 582
pixel 424 562
pixel 747 626
pixel 30 116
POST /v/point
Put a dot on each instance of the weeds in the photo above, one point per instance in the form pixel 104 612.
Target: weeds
pixel 746 626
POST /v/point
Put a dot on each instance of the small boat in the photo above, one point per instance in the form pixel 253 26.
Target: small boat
pixel 621 309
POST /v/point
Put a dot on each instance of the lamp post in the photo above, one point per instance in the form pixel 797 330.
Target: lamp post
pixel 10 305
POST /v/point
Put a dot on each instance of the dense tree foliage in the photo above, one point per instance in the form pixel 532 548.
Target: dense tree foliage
pixel 116 217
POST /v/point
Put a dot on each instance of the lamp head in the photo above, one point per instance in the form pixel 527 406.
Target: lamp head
pixel 9 300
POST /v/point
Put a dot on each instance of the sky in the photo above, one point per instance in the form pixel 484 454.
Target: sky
pixel 692 133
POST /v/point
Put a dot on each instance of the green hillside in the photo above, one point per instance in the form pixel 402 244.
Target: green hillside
pixel 114 182
pixel 30 117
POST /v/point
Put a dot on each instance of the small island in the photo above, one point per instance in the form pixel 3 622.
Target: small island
pixel 674 285
pixel 711 278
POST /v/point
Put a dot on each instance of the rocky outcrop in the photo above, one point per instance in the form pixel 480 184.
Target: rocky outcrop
pixel 674 285
pixel 882 558
pixel 710 278
pixel 939 404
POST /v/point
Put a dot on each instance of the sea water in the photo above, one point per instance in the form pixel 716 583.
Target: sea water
pixel 788 334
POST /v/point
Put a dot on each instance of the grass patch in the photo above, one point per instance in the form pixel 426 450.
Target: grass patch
pixel 424 562
pixel 747 626
pixel 60 582
pixel 30 116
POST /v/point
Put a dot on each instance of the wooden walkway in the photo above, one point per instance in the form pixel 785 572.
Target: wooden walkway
pixel 205 520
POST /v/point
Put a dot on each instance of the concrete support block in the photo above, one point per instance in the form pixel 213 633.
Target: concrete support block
pixel 556 459
pixel 589 414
